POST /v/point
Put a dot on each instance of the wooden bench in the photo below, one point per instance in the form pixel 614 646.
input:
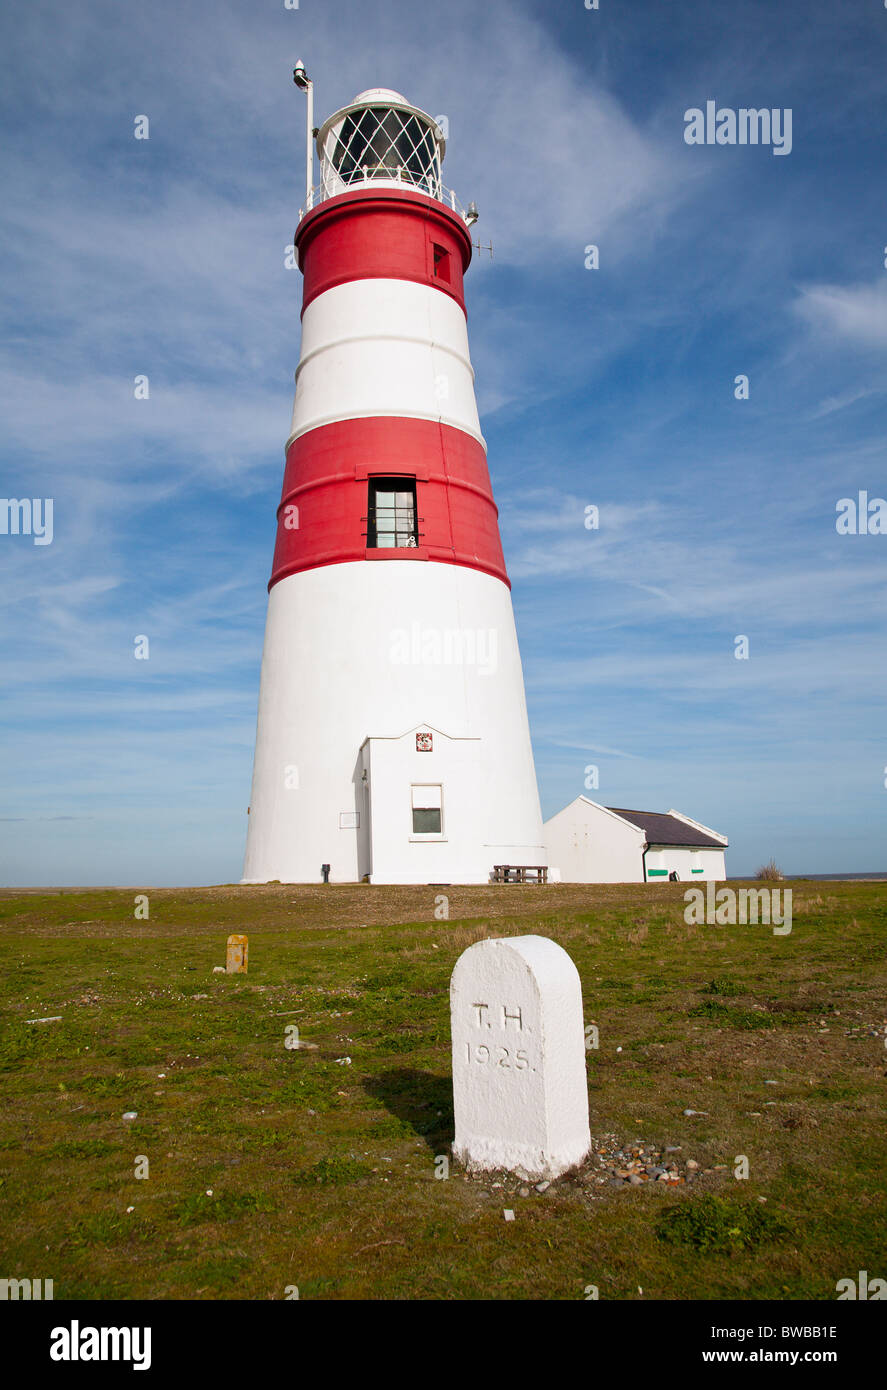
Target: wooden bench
pixel 520 873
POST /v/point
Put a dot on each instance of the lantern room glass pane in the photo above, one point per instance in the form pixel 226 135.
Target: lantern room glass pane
pixel 383 143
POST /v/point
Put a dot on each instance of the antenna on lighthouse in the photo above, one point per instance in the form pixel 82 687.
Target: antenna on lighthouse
pixel 304 83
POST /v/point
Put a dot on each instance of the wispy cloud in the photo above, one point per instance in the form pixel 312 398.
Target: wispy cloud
pixel 854 313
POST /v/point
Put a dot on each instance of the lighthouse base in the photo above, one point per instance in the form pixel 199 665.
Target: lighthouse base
pixel 393 743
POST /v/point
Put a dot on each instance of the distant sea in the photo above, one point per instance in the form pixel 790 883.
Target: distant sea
pixel 859 877
pixel 839 878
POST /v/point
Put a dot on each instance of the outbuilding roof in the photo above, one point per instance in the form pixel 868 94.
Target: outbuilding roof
pixel 662 829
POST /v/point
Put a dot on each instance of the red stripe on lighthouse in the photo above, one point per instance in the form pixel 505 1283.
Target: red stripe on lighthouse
pixel 322 517
pixel 382 234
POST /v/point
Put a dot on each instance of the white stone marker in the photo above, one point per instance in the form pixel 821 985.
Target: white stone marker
pixel 519 1088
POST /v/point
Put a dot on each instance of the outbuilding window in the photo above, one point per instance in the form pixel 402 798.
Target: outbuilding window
pixel 427 804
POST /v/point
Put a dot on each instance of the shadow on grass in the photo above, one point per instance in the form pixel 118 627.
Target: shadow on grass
pixel 418 1099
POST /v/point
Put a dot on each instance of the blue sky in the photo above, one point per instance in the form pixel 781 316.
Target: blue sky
pixel 612 387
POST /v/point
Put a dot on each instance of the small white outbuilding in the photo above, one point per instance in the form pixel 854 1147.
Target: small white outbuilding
pixel 588 843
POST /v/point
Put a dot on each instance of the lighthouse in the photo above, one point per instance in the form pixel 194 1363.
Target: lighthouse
pixel 393 744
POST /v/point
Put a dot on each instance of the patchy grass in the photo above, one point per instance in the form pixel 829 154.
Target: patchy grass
pixel 726 988
pixel 335 1171
pixel 725 1227
pixel 323 1173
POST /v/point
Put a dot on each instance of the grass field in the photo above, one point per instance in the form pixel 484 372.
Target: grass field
pixel 322 1173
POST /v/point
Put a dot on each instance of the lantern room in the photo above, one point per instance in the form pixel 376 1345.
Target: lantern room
pixel 381 138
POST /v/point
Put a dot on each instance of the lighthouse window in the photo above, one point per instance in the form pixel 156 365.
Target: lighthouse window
pixel 427 809
pixel 391 523
pixel 442 264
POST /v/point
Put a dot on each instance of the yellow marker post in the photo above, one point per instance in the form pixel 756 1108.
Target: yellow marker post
pixel 238 951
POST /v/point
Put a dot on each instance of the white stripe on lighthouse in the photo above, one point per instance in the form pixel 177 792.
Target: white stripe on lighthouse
pixel 401 643
pixel 384 347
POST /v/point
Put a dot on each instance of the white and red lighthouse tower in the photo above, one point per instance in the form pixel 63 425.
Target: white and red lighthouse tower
pixel 393 741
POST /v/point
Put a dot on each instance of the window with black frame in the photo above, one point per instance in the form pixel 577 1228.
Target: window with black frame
pixel 391 517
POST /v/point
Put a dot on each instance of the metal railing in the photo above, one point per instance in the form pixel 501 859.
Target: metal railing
pixel 441 194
